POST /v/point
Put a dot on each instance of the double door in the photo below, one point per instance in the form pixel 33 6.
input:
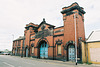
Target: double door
pixel 26 52
pixel 71 52
pixel 44 50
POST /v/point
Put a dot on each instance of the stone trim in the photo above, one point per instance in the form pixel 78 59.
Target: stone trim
pixel 73 8
pixel 32 40
pixel 59 42
pixel 58 35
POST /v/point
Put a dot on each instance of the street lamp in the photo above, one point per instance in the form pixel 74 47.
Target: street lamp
pixel 23 47
pixel 75 35
pixel 12 42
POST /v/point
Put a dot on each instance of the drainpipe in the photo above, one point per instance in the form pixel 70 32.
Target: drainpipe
pixel 75 35
pixel 53 45
pixel 29 44
pixel 16 48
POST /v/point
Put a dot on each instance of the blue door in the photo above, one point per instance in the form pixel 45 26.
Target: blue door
pixel 26 52
pixel 71 51
pixel 44 50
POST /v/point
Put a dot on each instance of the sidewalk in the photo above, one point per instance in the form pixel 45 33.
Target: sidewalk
pixel 68 63
pixel 57 62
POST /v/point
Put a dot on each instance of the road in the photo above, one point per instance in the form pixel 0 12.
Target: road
pixel 13 61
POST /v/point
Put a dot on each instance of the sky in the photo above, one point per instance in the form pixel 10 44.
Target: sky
pixel 15 14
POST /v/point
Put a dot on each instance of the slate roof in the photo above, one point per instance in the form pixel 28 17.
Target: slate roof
pixel 94 36
pixel 20 38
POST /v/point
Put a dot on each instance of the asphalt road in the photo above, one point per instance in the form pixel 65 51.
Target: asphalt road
pixel 13 61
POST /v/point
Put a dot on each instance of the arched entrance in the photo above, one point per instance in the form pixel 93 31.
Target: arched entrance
pixel 71 53
pixel 43 49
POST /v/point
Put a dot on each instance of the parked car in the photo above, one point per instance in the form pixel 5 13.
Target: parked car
pixel 6 53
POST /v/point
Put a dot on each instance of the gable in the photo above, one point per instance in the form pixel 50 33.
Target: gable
pixel 43 25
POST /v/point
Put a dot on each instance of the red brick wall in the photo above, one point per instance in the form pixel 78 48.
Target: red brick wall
pixel 49 40
pixel 68 31
pixel 56 49
pixel 69 26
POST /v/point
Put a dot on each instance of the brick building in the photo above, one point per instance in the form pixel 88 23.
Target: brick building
pixel 47 41
pixel 17 46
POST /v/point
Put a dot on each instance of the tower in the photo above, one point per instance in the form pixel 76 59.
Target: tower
pixel 73 17
pixel 69 22
pixel 29 30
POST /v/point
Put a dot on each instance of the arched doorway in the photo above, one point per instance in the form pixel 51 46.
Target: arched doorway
pixel 71 53
pixel 43 49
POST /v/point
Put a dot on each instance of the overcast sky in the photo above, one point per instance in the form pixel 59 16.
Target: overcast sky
pixel 15 14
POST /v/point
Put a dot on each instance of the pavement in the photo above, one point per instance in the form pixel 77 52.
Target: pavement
pixel 17 61
pixel 63 63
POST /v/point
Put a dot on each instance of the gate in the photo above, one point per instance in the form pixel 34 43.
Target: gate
pixel 71 51
pixel 26 52
pixel 44 50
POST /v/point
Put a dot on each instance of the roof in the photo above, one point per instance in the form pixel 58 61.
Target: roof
pixel 59 27
pixel 80 9
pixel 27 27
pixel 20 38
pixel 36 27
pixel 94 36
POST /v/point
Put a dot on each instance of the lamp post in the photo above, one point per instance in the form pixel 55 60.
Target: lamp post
pixel 23 47
pixel 13 43
pixel 75 35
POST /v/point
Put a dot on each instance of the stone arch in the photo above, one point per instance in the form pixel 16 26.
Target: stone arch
pixel 39 44
pixel 42 39
pixel 69 43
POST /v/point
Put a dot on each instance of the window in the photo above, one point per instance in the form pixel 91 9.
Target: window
pixel 32 49
pixel 59 49
pixel 61 30
pixel 16 43
pixel 19 43
pixel 18 50
pixel 13 43
pixel 13 51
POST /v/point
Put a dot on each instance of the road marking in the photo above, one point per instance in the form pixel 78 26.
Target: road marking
pixel 8 64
